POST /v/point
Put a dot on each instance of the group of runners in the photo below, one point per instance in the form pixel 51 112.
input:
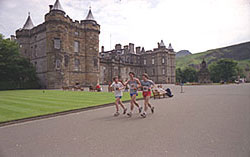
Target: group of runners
pixel 134 85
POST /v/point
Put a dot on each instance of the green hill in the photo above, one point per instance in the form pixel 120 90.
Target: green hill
pixel 239 52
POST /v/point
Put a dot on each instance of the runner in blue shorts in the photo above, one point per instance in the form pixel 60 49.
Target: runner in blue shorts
pixel 117 86
pixel 134 84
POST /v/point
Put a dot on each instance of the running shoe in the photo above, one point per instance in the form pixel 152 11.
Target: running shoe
pixel 143 115
pixel 153 109
pixel 116 114
pixel 129 114
pixel 125 111
pixel 140 109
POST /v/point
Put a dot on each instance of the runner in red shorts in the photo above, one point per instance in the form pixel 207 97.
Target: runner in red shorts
pixel 146 92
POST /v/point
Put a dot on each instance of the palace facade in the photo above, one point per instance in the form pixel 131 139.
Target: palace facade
pixel 66 53
pixel 158 63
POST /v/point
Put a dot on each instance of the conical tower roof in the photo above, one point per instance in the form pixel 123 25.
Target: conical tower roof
pixel 90 15
pixel 162 44
pixel 170 47
pixel 57 6
pixel 28 24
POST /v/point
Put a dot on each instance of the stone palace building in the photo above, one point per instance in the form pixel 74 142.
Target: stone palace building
pixel 66 53
pixel 158 63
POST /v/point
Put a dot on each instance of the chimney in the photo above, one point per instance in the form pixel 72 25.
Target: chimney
pixel 50 7
pixel 118 46
pixel 131 48
pixel 138 50
pixel 142 50
pixel 125 49
pixel 158 45
pixel 102 49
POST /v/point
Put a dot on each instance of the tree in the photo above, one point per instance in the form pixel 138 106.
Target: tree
pixel 15 70
pixel 223 70
pixel 240 72
pixel 178 75
pixel 188 74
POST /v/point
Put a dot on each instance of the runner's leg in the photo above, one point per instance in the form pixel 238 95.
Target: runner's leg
pixel 139 108
pixel 123 106
pixel 131 106
pixel 146 103
pixel 149 105
pixel 117 107
pixel 134 99
pixel 116 104
pixel 132 103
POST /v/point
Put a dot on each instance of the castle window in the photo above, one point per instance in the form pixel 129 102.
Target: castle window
pixel 57 43
pixel 163 71
pixel 58 64
pixel 77 64
pixel 66 60
pixel 153 61
pixel 163 60
pixel 76 46
pixel 145 61
pixel 153 71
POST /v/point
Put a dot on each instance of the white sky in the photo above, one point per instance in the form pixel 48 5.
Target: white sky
pixel 195 25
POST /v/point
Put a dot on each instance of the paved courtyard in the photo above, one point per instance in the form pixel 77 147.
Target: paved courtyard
pixel 204 121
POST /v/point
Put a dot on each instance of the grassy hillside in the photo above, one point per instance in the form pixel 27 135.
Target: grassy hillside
pixel 239 52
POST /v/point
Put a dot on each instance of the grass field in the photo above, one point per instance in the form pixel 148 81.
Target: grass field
pixel 18 104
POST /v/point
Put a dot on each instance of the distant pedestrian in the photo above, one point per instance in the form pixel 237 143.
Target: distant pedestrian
pixel 118 87
pixel 134 84
pixel 98 88
pixel 146 92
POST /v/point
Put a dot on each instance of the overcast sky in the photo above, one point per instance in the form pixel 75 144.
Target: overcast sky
pixel 195 25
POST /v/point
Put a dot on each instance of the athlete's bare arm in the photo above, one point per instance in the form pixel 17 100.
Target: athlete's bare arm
pixel 121 88
pixel 138 82
pixel 153 84
pixel 125 84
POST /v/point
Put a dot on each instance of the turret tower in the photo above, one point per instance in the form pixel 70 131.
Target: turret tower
pixel 23 37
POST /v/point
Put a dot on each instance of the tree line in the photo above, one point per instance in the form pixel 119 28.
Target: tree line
pixel 226 70
pixel 16 72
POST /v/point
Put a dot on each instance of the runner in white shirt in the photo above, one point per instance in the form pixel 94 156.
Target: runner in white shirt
pixel 117 86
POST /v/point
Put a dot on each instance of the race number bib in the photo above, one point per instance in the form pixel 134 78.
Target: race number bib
pixel 133 86
pixel 145 88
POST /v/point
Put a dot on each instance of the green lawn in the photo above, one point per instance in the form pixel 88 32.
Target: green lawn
pixel 17 104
